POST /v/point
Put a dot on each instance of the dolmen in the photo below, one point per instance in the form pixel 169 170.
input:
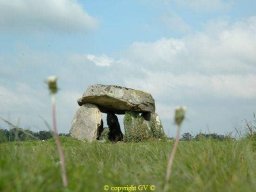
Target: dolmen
pixel 140 120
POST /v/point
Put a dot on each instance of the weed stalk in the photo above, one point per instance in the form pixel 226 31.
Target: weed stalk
pixel 52 85
pixel 179 117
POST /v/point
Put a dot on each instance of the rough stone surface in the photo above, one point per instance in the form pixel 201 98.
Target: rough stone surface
pixel 156 126
pixel 142 127
pixel 136 127
pixel 105 134
pixel 86 123
pixel 115 133
pixel 100 130
pixel 116 99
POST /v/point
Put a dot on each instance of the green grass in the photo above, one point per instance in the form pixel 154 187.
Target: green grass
pixel 205 165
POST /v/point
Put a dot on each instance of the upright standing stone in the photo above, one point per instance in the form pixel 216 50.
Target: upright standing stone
pixel 136 127
pixel 100 130
pixel 115 133
pixel 86 123
pixel 156 126
pixel 142 127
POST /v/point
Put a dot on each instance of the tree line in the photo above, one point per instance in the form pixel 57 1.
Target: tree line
pixel 19 134
pixel 200 136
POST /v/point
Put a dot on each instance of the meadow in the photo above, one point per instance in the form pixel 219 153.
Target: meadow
pixel 204 165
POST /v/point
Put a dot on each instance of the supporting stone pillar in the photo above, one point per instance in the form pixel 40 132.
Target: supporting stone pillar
pixel 86 123
pixel 156 126
pixel 115 134
pixel 136 127
pixel 142 127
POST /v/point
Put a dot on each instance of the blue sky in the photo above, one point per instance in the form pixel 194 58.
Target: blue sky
pixel 198 53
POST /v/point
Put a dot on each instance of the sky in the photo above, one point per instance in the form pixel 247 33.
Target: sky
pixel 194 53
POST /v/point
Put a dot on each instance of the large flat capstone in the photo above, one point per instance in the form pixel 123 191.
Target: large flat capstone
pixel 116 99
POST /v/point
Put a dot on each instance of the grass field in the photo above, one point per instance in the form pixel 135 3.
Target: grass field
pixel 205 165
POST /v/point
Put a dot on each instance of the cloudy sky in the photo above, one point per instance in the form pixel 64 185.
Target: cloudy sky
pixel 197 53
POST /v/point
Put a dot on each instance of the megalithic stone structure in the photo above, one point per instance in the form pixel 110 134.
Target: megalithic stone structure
pixel 112 99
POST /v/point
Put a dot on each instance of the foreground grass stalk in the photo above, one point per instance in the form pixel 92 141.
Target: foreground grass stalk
pixel 52 85
pixel 58 144
pixel 171 158
pixel 179 117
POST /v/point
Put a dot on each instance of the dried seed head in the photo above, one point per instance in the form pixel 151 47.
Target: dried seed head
pixel 52 84
pixel 179 115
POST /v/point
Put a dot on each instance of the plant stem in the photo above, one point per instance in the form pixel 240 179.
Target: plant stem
pixel 58 143
pixel 171 158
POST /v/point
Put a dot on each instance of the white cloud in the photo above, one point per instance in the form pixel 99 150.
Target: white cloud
pixel 242 86
pixel 46 15
pixel 215 63
pixel 102 61
pixel 194 85
pixel 98 60
pixel 229 50
pixel 158 55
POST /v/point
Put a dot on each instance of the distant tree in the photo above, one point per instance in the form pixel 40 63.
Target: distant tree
pixel 186 137
pixel 214 136
pixel 19 134
pixel 200 136
pixel 3 135
pixel 64 134
pixel 44 135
